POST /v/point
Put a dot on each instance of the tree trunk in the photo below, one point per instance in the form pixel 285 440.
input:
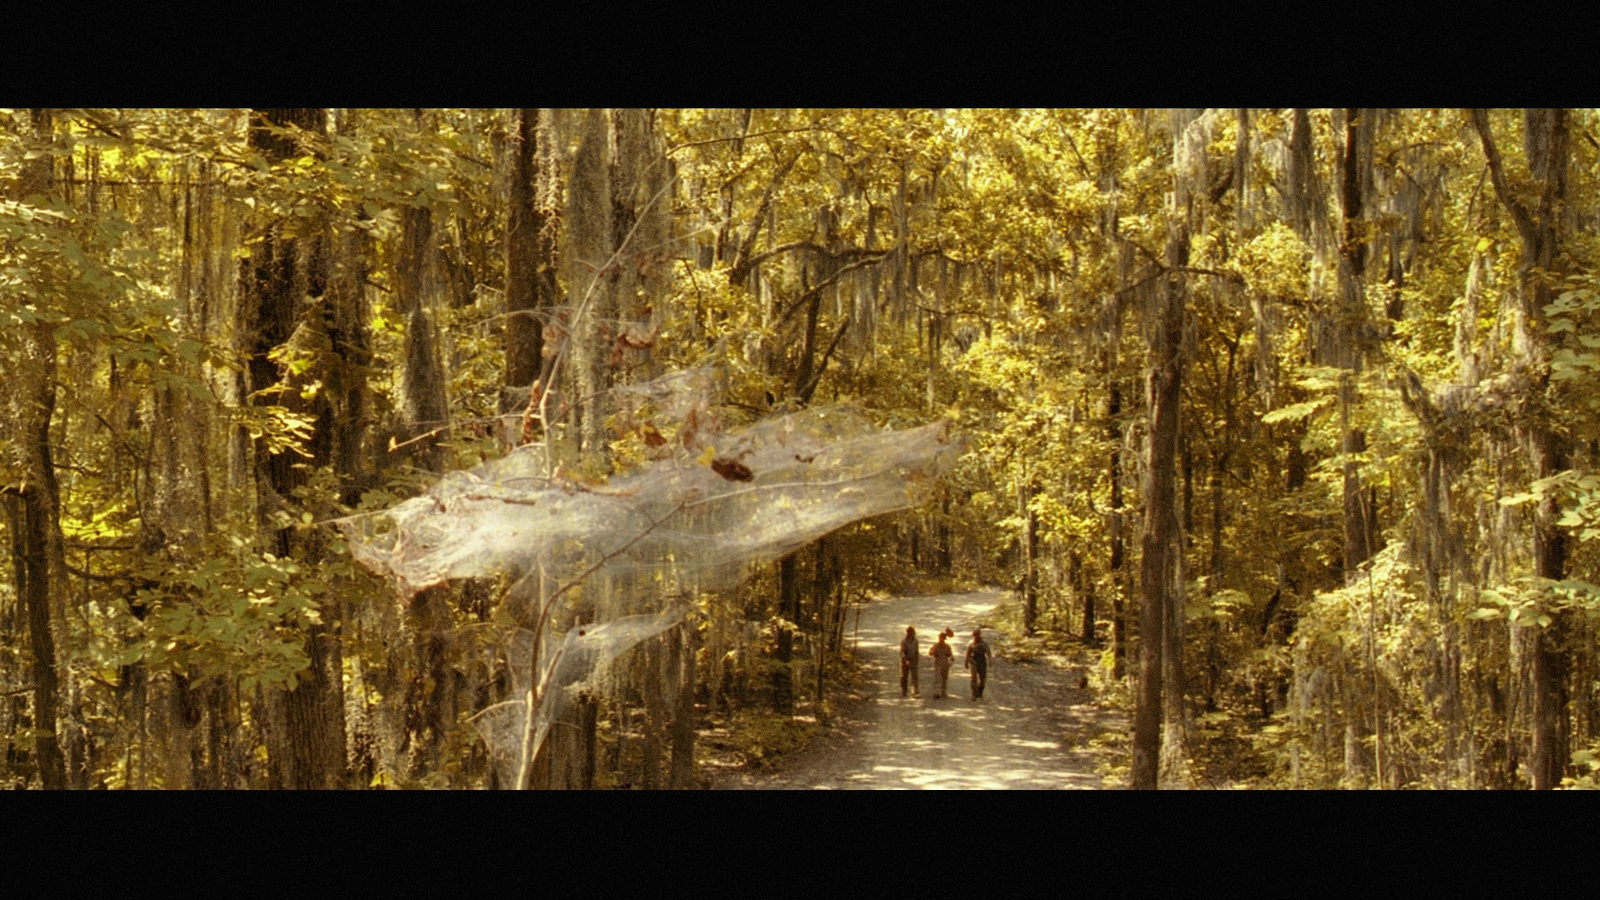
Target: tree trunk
pixel 1337 332
pixel 281 270
pixel 1219 466
pixel 683 714
pixel 1084 587
pixel 1350 317
pixel 590 245
pixel 641 226
pixel 725 248
pixel 1546 141
pixel 30 523
pixel 423 405
pixel 1186 507
pixel 943 553
pixel 1030 547
pixel 655 716
pixel 1161 592
pixel 427 697
pixel 1159 560
pixel 531 233
pixel 789 610
pixel 1119 628
pixel 35 503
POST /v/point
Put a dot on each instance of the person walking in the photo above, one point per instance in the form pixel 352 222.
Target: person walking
pixel 909 650
pixel 943 659
pixel 978 662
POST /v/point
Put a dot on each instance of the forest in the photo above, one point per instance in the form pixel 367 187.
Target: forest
pixel 560 448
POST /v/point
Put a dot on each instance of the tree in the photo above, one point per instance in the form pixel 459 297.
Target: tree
pixel 1160 708
pixel 531 234
pixel 1546 136
pixel 33 503
pixel 286 335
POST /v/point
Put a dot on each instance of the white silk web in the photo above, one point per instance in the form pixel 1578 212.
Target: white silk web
pixel 625 556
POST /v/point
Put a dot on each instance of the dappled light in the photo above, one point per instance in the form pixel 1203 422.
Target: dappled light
pixel 1020 736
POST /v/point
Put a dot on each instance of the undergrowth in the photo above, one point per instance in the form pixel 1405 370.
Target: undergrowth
pixel 757 737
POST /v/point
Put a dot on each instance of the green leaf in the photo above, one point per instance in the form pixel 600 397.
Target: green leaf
pixel 1295 411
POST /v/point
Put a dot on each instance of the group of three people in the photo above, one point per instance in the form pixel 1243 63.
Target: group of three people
pixel 943 659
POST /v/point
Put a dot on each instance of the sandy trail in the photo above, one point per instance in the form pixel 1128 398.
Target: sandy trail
pixel 1028 732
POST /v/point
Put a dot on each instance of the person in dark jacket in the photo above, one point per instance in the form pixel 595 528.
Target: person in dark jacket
pixel 978 663
pixel 909 650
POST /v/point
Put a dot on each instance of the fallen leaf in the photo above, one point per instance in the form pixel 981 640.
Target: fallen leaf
pixel 731 469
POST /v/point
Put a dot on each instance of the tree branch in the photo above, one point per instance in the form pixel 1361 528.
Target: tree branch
pixel 538 634
pixel 135 580
pixel 1234 277
pixel 844 253
pixel 1140 247
pixel 1497 174
pixel 785 248
pixel 830 280
pixel 1151 273
pixel 80 544
pixel 742 137
pixel 1083 165
pixel 741 260
pixel 822 367
pixel 1221 186
pixel 1456 405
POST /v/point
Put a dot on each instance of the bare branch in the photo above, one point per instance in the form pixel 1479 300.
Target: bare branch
pixel 549 604
pixel 742 137
pixel 1140 247
pixel 1497 174
pixel 741 259
pixel 844 253
pixel 822 367
pixel 1083 165
pixel 1234 277
pixel 576 580
pixel 1221 185
pixel 829 281
pixel 135 580
pixel 1151 273
pixel 785 248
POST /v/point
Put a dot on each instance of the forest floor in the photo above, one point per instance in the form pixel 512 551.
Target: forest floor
pixel 1036 727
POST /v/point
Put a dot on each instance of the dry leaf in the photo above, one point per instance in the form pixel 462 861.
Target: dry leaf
pixel 731 469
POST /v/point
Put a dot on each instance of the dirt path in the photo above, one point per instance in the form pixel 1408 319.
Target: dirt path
pixel 1029 731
